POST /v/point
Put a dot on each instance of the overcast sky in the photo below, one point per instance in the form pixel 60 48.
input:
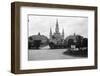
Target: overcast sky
pixel 42 24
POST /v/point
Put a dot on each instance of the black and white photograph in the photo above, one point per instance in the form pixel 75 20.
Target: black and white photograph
pixel 52 37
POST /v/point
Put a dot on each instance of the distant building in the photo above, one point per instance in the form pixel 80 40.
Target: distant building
pixel 56 36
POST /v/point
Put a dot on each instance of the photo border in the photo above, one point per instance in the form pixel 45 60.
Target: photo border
pixel 15 37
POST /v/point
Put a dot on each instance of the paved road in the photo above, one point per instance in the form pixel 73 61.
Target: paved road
pixel 45 53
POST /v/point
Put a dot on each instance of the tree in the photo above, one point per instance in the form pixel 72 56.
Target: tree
pixel 70 42
pixel 85 42
pixel 30 42
pixel 37 43
pixel 79 41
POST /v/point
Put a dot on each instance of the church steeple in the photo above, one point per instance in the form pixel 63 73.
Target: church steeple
pixel 63 33
pixel 56 36
pixel 50 32
pixel 57 27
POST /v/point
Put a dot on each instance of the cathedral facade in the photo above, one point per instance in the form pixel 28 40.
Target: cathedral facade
pixel 56 37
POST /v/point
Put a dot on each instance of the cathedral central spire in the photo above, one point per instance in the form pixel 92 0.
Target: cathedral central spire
pixel 57 27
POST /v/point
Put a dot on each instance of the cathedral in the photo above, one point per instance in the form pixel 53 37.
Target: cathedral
pixel 57 36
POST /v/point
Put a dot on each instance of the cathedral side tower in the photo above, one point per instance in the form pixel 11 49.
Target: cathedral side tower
pixel 50 33
pixel 63 33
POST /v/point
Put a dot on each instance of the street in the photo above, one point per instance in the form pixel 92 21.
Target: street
pixel 45 53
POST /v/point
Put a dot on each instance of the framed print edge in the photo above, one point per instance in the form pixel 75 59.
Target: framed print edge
pixel 96 37
pixel 15 37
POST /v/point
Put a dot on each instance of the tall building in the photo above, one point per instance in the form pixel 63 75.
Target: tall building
pixel 50 33
pixel 63 33
pixel 57 36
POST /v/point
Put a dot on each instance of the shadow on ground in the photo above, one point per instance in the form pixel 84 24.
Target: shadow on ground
pixel 80 53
